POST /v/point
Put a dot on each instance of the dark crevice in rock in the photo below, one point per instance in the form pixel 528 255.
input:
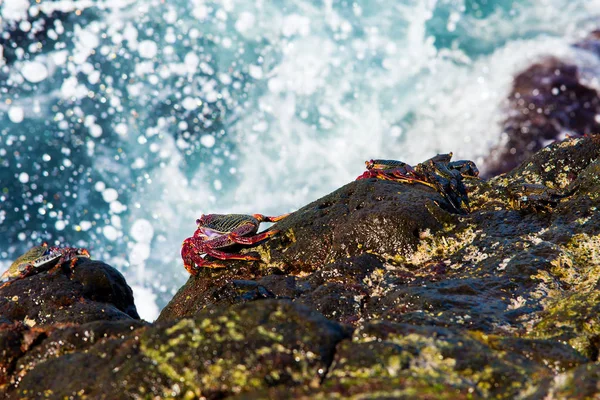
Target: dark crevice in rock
pixel 595 348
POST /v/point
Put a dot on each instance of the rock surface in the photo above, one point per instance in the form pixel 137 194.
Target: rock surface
pixel 376 290
pixel 548 101
pixel 93 291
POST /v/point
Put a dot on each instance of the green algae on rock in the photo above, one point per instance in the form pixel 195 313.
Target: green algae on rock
pixel 218 353
pixel 499 272
pixel 245 347
pixel 374 291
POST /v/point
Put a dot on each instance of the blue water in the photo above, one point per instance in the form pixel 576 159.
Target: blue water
pixel 122 121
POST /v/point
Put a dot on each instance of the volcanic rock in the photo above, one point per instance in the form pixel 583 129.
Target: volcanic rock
pixel 92 291
pixel 375 290
pixel 548 101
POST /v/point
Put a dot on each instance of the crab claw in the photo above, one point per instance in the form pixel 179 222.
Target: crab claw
pixel 74 257
pixel 193 259
pixel 83 253
pixel 366 175
pixel 187 253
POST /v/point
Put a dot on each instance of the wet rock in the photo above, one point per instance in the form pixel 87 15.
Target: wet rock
pixel 405 358
pixel 445 360
pixel 507 289
pixel 217 353
pixel 92 291
pixel 486 271
pixel 95 360
pixel 27 348
pixel 367 216
pixel 548 101
pixel 416 301
pixel 11 338
pixel 251 346
pixel 580 383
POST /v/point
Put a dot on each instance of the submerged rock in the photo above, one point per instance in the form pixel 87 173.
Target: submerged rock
pixel 377 289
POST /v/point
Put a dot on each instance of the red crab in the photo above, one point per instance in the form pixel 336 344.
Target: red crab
pixel 438 173
pixel 392 170
pixel 216 231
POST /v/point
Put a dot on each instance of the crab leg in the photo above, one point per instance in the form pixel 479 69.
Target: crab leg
pixel 240 236
pixel 249 240
pixel 394 176
pixel 192 255
pixel 194 266
pixel 230 256
pixel 263 218
pixel 192 260
pixel 205 264
pixel 69 254
pixel 26 270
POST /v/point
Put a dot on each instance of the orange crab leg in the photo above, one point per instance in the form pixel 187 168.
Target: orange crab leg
pixel 263 218
pixel 392 176
pixel 73 255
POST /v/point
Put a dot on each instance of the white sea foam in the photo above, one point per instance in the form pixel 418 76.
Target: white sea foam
pixel 34 71
pixel 15 9
pixel 142 231
pixel 145 302
pixel 16 114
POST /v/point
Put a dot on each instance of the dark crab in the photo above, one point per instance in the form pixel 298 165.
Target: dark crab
pixel 216 231
pixel 42 258
pixel 438 172
pixel 536 197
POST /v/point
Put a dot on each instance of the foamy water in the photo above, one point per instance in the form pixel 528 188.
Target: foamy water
pixel 122 121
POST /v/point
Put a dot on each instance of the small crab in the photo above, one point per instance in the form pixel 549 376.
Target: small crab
pixel 216 231
pixel 41 258
pixel 536 197
pixel 392 170
pixel 438 173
